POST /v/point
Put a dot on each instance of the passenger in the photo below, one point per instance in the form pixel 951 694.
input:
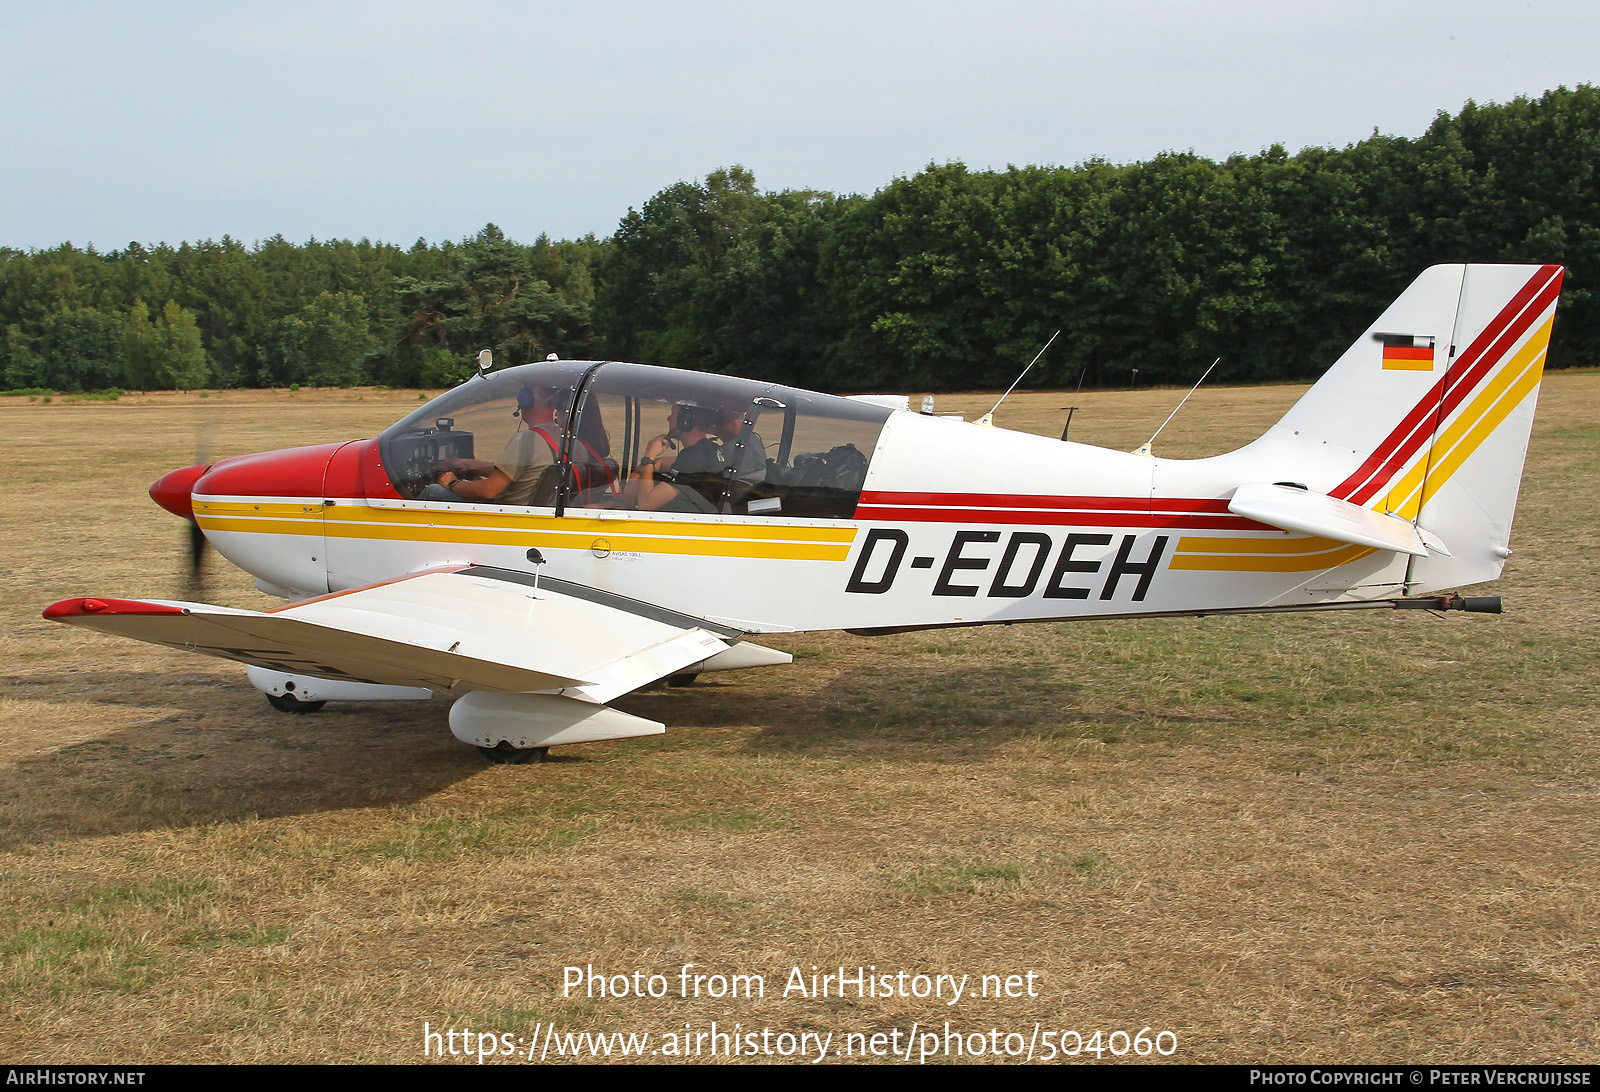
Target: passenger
pixel 513 478
pixel 594 471
pixel 666 481
pixel 751 458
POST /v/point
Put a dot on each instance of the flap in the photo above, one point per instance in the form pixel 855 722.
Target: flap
pixel 1296 509
pixel 477 628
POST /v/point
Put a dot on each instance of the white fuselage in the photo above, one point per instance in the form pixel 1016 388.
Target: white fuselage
pixel 958 525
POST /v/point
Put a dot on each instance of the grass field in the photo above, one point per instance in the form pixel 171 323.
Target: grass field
pixel 1350 837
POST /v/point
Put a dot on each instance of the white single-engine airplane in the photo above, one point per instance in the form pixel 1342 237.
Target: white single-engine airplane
pixel 549 537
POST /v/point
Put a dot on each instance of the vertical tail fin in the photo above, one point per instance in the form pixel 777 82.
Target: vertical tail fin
pixel 1427 415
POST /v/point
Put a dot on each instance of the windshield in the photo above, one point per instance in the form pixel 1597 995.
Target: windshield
pixel 643 438
pixel 481 420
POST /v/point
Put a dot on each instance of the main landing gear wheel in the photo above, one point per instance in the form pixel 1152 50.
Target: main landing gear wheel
pixel 288 703
pixel 685 678
pixel 503 754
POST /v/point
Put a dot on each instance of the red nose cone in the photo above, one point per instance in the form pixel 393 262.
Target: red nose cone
pixel 173 489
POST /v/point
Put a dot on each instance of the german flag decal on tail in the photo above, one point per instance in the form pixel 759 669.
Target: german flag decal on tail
pixel 1406 352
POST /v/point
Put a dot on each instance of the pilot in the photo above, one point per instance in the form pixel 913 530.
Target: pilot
pixel 513 478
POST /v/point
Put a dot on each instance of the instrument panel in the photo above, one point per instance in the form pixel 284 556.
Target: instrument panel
pixel 411 456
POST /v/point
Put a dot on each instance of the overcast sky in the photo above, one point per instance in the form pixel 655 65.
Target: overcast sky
pixel 398 120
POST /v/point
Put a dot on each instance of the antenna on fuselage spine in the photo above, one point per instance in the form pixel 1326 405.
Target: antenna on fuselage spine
pixel 1145 449
pixel 1066 428
pixel 988 418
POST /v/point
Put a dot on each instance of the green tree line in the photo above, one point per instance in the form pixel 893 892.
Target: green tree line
pixel 947 279
pixel 323 313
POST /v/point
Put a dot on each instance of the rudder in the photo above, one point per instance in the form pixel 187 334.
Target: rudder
pixel 1464 491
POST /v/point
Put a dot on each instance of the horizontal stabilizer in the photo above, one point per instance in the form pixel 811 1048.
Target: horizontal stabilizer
pixel 1297 509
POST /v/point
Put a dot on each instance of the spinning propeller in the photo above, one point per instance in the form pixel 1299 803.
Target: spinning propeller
pixel 195 584
pixel 174 491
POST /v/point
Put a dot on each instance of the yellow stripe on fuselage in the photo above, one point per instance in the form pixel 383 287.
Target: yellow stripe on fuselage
pixel 1282 544
pixel 1312 554
pixel 355 512
pixel 502 528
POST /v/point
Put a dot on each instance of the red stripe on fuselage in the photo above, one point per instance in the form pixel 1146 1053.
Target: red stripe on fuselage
pixel 1199 513
pixel 875 497
pixel 885 514
pixel 1458 381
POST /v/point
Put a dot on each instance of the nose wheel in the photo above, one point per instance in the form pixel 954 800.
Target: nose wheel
pixel 503 754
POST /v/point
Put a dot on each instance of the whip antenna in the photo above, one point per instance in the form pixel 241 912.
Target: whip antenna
pixel 1083 371
pixel 1145 450
pixel 988 418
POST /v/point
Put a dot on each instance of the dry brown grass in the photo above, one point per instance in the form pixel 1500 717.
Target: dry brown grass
pixel 1335 838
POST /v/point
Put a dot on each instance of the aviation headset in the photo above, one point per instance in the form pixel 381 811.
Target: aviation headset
pixel 686 418
pixel 526 400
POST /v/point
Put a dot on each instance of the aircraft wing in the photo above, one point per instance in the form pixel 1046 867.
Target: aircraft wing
pixel 473 628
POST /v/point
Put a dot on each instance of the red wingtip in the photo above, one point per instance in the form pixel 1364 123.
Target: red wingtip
pixel 174 490
pixel 73 608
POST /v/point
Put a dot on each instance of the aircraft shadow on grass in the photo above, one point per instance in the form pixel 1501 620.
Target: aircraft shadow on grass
pixel 184 764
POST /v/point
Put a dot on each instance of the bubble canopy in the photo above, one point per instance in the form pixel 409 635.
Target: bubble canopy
pixel 721 445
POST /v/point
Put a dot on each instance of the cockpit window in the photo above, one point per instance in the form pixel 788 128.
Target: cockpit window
pixel 642 438
pixel 696 442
